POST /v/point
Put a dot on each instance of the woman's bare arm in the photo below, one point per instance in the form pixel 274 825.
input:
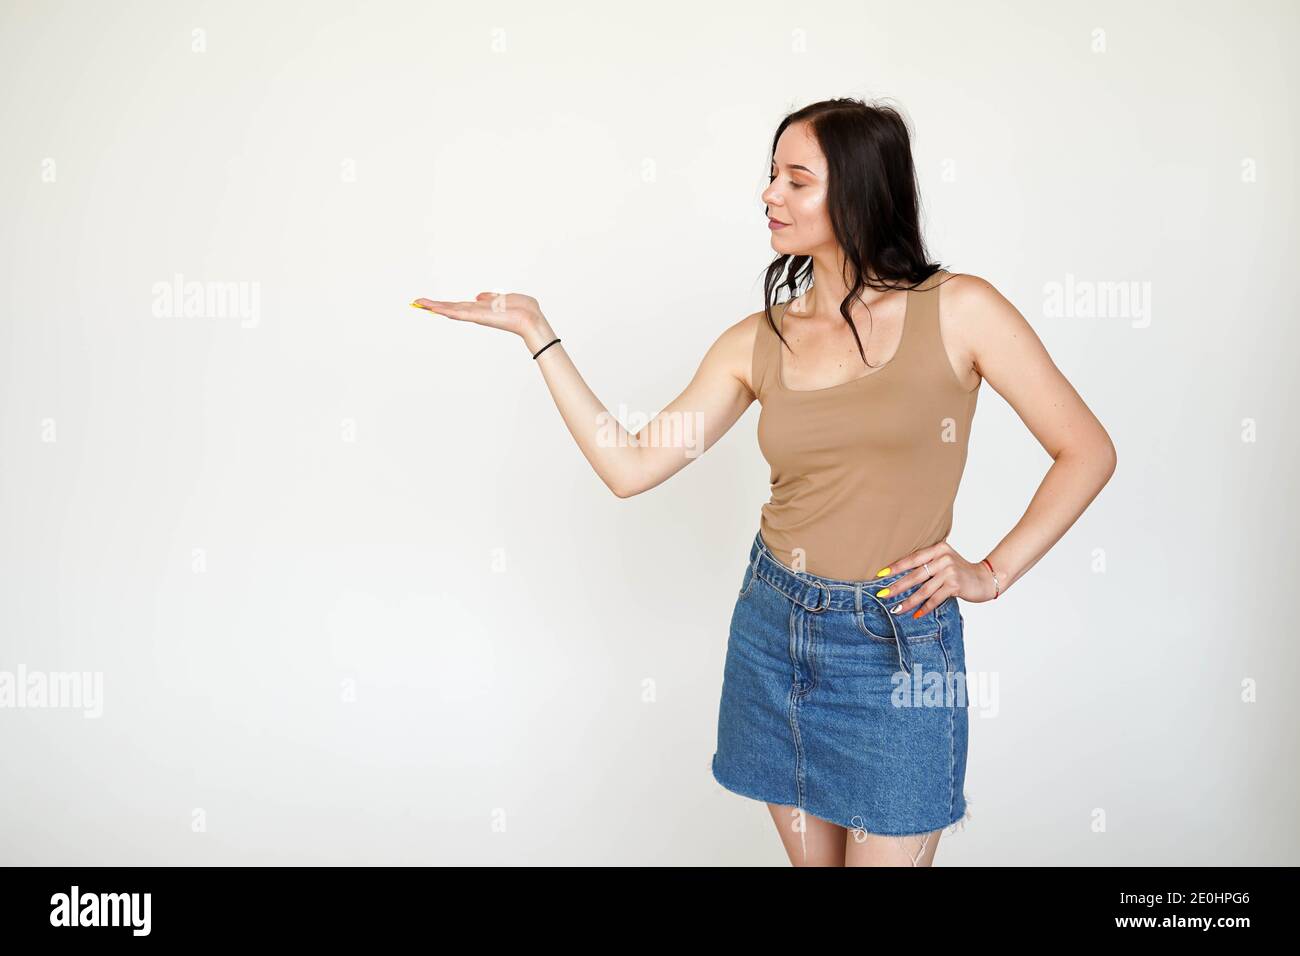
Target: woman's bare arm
pixel 628 463
pixel 996 341
pixel 1011 358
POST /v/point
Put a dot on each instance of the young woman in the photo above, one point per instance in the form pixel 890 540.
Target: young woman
pixel 843 703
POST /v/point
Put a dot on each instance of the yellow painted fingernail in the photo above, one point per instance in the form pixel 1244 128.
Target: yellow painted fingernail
pixel 882 572
pixel 416 305
pixel 884 593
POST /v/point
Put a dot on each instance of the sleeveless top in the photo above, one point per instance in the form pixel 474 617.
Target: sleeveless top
pixel 864 472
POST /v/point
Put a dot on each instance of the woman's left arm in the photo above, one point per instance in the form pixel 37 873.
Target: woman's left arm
pixel 991 334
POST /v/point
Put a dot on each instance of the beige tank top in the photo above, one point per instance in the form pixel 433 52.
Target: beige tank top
pixel 864 472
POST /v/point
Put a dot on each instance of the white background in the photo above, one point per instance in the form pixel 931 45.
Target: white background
pixel 562 707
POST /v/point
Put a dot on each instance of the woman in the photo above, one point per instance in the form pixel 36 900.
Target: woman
pixel 843 702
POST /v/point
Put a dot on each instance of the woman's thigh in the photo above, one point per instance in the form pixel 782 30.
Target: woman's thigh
pixel 808 840
pixel 812 841
pixel 872 849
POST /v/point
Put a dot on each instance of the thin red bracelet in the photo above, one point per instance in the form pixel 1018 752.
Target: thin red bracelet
pixel 997 586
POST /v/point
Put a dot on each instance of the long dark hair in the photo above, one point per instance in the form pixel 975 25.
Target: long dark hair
pixel 873 202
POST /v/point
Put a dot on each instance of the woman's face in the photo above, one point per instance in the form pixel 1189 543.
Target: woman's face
pixel 796 194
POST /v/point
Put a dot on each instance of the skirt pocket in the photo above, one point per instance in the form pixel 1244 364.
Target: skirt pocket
pixel 877 621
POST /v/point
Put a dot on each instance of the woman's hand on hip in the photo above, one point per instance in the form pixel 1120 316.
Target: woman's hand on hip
pixel 941 573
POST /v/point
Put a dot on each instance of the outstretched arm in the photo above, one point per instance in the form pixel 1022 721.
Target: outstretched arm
pixel 628 463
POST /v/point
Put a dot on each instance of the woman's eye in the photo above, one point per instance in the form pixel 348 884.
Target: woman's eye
pixel 793 184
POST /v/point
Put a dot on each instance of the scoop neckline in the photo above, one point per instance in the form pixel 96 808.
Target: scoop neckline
pixel 902 342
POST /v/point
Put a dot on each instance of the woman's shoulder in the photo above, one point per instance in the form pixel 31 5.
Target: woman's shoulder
pixel 744 343
pixel 748 331
pixel 975 317
pixel 969 311
pixel 966 290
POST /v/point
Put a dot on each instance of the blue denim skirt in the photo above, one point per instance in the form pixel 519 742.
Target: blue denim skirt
pixel 832 704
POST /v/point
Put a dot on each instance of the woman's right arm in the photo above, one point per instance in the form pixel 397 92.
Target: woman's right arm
pixel 627 463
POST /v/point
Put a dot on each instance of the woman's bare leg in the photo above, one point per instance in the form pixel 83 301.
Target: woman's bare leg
pixel 808 840
pixel 871 849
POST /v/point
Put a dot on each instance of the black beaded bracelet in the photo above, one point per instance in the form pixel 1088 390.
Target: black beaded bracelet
pixel 545 347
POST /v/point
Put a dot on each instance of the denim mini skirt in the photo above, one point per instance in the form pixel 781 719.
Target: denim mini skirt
pixel 834 705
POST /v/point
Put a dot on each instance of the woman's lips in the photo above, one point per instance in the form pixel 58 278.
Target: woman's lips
pixel 776 224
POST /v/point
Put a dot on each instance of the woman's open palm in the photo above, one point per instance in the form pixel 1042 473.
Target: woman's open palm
pixel 509 311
